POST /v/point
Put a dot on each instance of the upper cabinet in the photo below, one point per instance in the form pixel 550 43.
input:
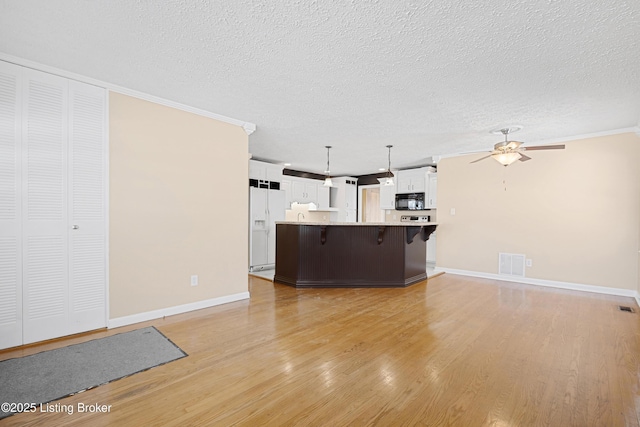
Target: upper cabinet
pixel 411 181
pixel 422 180
pixel 304 190
pixel 265 171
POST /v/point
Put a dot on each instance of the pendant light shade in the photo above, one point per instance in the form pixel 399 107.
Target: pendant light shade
pixel 327 179
pixel 506 159
pixel 389 180
pixel 506 152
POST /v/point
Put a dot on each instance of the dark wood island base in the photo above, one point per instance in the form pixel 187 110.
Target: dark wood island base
pixel 319 255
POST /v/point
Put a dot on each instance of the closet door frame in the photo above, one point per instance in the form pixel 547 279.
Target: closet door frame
pixel 11 209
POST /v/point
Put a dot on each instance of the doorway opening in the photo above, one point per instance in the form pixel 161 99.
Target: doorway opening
pixel 370 204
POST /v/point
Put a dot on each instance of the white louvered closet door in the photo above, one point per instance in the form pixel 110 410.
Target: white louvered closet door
pixel 10 209
pixel 87 211
pixel 53 206
pixel 44 202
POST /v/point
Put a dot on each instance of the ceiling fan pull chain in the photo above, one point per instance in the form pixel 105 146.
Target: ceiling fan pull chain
pixel 504 178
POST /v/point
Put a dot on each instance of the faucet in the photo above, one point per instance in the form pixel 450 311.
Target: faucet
pixel 300 213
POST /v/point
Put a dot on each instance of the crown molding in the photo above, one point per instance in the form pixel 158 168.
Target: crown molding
pixel 635 129
pixel 587 136
pixel 248 127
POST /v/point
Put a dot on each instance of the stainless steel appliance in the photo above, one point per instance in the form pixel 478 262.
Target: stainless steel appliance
pixel 410 202
pixel 415 218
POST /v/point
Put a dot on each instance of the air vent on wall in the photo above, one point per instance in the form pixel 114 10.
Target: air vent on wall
pixel 511 264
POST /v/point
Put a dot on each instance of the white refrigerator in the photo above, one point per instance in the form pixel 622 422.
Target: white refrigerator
pixel 265 208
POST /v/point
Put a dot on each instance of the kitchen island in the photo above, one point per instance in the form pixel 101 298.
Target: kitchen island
pixel 351 254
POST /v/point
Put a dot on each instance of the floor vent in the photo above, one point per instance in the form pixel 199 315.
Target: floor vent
pixel 511 264
pixel 625 308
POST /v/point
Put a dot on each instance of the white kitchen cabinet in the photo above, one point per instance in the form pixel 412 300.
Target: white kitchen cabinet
pixel 303 190
pixel 274 172
pixel 344 196
pixel 411 181
pixel 285 185
pixel 349 215
pixel 323 196
pixel 432 190
pixel 265 171
pixel 387 194
pixel 256 171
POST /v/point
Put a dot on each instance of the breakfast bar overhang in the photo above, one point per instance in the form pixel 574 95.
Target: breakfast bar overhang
pixel 343 255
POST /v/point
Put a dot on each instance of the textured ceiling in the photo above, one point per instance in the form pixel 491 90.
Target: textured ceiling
pixel 430 77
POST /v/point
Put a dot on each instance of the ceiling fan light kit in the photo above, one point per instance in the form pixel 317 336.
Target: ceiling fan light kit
pixel 506 159
pixel 506 152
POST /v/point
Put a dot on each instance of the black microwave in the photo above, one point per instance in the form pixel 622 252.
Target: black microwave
pixel 410 202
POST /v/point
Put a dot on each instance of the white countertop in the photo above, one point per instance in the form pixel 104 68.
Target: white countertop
pixel 324 210
pixel 365 224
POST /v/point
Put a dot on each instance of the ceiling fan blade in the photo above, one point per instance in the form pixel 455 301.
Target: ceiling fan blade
pixel 482 158
pixel 474 152
pixel 544 147
pixel 524 158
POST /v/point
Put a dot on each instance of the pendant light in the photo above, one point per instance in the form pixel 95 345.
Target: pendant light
pixel 327 179
pixel 389 180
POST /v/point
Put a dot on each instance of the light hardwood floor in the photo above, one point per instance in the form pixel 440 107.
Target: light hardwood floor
pixel 453 351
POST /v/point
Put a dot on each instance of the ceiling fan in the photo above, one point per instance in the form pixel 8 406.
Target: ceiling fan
pixel 507 152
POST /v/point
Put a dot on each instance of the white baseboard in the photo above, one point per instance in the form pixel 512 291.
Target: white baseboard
pixel 178 309
pixel 547 283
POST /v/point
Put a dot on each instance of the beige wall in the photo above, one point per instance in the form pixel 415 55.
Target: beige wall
pixel 574 212
pixel 173 177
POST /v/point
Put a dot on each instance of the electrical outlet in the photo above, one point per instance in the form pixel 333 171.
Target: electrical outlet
pixel 194 280
pixel 452 211
pixel 529 262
